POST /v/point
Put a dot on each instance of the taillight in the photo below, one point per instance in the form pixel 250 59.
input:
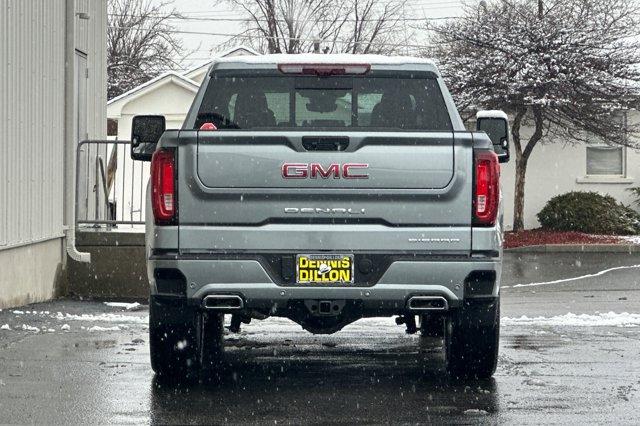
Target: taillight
pixel 487 188
pixel 163 194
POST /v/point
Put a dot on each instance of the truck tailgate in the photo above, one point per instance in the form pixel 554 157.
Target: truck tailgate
pixel 416 195
pixel 410 162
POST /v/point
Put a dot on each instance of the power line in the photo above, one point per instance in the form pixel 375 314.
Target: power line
pixel 295 20
pixel 217 16
pixel 262 37
pixel 420 4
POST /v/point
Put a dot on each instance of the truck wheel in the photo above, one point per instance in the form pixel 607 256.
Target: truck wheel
pixel 211 343
pixel 431 325
pixel 174 339
pixel 472 337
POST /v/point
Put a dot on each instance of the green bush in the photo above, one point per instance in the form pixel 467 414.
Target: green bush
pixel 636 193
pixel 589 212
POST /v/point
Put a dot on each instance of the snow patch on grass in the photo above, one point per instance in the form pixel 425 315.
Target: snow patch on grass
pixel 609 319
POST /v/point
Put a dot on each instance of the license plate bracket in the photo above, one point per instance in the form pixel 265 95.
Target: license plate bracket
pixel 324 269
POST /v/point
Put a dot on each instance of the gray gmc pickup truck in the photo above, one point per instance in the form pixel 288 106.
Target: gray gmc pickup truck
pixel 323 189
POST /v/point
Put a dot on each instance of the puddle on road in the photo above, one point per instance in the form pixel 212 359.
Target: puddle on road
pixel 533 342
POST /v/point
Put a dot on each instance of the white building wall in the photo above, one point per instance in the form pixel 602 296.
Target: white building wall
pixel 32 45
pixel 557 168
pixel 32 138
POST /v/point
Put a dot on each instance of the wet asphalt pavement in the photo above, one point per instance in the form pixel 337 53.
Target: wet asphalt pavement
pixel 371 372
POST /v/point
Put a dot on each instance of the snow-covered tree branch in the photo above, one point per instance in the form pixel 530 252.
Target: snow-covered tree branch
pixel 566 71
pixel 140 44
pixel 351 26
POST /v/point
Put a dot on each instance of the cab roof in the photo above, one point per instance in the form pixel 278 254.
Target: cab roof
pixel 376 61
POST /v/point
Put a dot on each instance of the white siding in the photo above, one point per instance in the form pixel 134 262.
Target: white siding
pixel 32 45
pixel 32 84
pixel 33 51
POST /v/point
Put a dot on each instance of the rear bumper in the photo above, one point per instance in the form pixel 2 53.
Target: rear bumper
pixel 448 278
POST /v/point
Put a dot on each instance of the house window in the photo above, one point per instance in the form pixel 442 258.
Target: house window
pixel 112 127
pixel 605 160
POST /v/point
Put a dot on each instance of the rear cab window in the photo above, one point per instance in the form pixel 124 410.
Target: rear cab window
pixel 277 102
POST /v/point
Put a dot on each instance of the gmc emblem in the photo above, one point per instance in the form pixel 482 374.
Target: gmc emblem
pixel 316 170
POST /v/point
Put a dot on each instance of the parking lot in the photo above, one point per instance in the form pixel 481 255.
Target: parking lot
pixel 569 354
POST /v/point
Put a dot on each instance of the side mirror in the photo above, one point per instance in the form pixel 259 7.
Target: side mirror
pixel 146 131
pixel 496 125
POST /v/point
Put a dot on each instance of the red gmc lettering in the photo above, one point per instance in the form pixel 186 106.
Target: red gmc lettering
pixel 294 171
pixel 315 170
pixel 333 169
pixel 346 170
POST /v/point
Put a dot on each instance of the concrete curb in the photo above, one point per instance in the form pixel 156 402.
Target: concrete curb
pixel 577 248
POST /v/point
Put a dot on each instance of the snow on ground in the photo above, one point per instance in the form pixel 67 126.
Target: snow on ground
pixel 609 319
pixel 581 277
pixel 98 328
pixel 122 321
pixel 633 239
pixel 363 328
pixel 123 305
pixel 378 326
pixel 103 318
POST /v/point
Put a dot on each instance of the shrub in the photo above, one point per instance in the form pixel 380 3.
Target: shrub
pixel 636 193
pixel 589 212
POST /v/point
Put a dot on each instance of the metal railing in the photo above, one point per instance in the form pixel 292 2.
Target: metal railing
pixel 112 196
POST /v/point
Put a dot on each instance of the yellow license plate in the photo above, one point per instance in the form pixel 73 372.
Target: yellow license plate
pixel 324 269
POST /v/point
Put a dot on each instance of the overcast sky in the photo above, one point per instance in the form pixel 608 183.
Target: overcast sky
pixel 219 9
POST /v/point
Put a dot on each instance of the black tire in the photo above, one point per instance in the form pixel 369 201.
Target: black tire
pixel 472 337
pixel 211 344
pixel 183 340
pixel 432 325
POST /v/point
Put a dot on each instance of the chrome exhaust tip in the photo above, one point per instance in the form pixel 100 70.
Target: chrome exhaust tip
pixel 427 303
pixel 223 302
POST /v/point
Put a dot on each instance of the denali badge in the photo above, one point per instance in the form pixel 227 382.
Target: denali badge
pixel 434 240
pixel 295 210
pixel 316 170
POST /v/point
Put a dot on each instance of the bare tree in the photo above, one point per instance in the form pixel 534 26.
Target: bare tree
pixel 347 26
pixel 565 67
pixel 140 44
